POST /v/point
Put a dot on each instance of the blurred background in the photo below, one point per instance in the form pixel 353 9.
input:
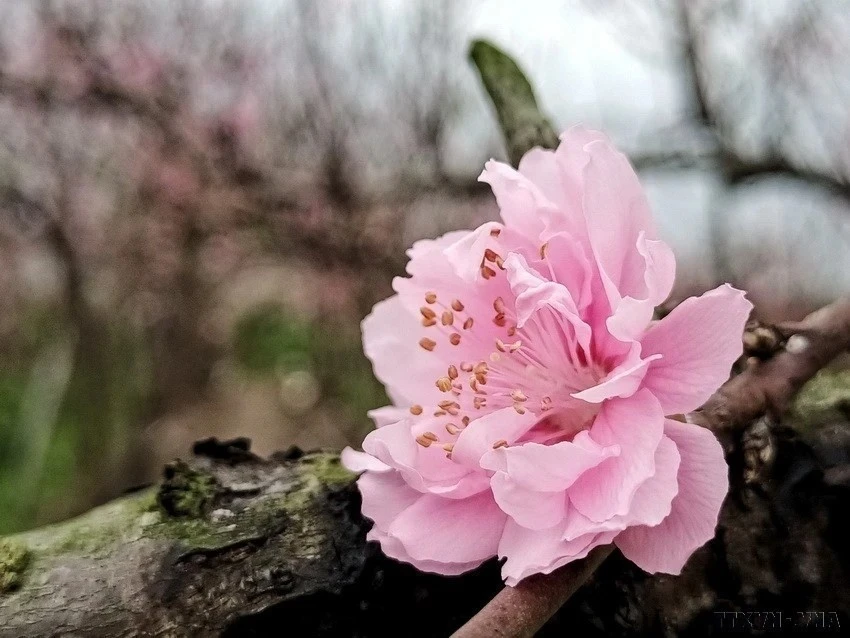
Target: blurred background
pixel 201 199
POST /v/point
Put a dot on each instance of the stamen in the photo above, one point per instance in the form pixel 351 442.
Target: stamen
pixel 428 344
pixel 500 443
pixel 481 368
pixel 519 395
pixel 500 345
pixel 477 402
pixel 543 250
pixel 428 322
pixel 416 410
pixel 546 403
pixel 448 318
pixel 452 372
pixel 439 413
pixel 444 384
pixel 500 320
pixel 499 305
pixel 513 347
pixel 511 331
pixel 487 272
pixel 467 324
pixel 490 255
pixel 495 356
pixel 430 297
pixel 452 429
pixel 448 447
pixel 519 409
pixel 454 338
pixel 427 312
pixel 465 421
pixel 421 440
pixel 466 366
pixel 495 232
pixel 457 306
pixel 430 435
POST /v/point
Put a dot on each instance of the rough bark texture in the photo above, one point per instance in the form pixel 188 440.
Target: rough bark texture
pixel 234 545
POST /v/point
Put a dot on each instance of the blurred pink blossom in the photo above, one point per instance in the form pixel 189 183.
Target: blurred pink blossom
pixel 531 386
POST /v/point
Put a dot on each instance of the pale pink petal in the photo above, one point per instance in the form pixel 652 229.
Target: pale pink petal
pixel 387 415
pixel 391 334
pixel 623 381
pixel 548 468
pixel 699 341
pixel 479 436
pixel 529 508
pixel 569 265
pixel 520 201
pixel 637 425
pixel 542 551
pixel 385 496
pixel 446 530
pixel 533 292
pixel 393 548
pixel 424 469
pixel 617 213
pixel 703 484
pixel 651 504
pixel 355 461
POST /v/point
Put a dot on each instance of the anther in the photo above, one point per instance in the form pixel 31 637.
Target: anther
pixel 499 305
pixel 495 232
pixel 428 322
pixel 467 324
pixel 444 384
pixel 477 402
pixel 516 345
pixel 466 366
pixel 428 313
pixel 500 320
pixel 465 421
pixel 452 372
pixel 448 318
pixel 481 368
pixel 430 297
pixel 416 410
pixel 543 250
pixel 519 395
pixel 511 331
pixel 430 435
pixel 452 429
pixel 421 440
pixel 428 344
pixel 495 356
pixel 454 338
pixel 500 345
pixel 490 255
pixel 487 272
pixel 500 443
pixel 519 409
pixel 448 447
pixel 457 306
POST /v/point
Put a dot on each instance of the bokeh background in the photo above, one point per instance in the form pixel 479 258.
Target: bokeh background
pixel 201 199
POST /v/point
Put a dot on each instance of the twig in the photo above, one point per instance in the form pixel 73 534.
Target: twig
pixel 520 611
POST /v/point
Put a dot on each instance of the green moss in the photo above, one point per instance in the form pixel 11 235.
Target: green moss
pixel 14 559
pixel 186 491
pixel 266 340
pixel 327 468
pixel 825 398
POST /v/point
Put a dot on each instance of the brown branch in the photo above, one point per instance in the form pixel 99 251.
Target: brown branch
pixel 520 611
pixel 764 387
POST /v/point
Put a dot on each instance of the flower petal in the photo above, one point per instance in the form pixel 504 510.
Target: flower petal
pixel 542 551
pixel 393 548
pixel 651 504
pixel 479 436
pixel 637 425
pixel 699 341
pixel 446 530
pixel 703 484
pixel 520 200
pixel 385 496
pixel 548 468
pixel 355 461
pixel 623 381
pixel 529 508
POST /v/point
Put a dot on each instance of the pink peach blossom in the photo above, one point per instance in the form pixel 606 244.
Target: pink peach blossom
pixel 531 386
